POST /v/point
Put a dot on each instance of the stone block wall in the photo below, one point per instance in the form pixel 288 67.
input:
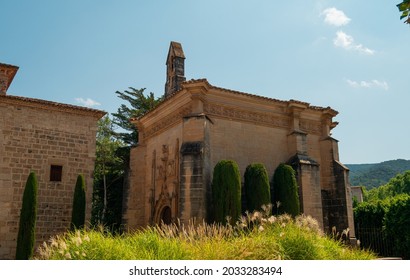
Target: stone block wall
pixel 33 139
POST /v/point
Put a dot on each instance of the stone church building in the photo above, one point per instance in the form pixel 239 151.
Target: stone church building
pixel 199 124
pixel 57 142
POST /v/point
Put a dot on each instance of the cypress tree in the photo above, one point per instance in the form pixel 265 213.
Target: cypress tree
pixel 285 190
pixel 78 213
pixel 226 192
pixel 27 224
pixel 257 189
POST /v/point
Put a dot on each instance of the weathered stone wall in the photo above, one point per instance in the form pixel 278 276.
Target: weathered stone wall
pixel 33 139
pixel 247 143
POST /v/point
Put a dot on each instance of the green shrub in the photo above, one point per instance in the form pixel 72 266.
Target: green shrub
pixel 397 225
pixel 370 214
pixel 285 190
pixel 28 215
pixel 226 191
pixel 257 189
pixel 78 212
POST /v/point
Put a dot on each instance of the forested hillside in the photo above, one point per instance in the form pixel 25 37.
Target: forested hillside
pixel 376 174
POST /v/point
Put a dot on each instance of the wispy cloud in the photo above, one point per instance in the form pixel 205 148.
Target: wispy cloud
pixel 335 17
pixel 368 84
pixel 87 102
pixel 347 42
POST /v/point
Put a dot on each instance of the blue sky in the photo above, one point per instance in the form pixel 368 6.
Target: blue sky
pixel 350 55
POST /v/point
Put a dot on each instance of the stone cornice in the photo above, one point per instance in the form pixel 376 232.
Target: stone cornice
pixel 164 123
pixel 202 86
pixel 50 105
pixel 259 118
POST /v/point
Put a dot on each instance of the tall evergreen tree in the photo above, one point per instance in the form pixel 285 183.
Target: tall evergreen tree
pixel 226 192
pixel 285 190
pixel 79 200
pixel 28 216
pixel 257 189
pixel 139 104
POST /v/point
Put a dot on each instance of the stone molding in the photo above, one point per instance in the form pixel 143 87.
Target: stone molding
pixel 165 122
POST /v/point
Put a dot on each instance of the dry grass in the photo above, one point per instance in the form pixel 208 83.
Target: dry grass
pixel 256 236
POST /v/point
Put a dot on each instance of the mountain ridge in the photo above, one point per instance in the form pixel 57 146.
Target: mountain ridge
pixel 373 175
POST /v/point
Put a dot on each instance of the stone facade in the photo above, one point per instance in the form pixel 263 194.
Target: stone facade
pixel 39 136
pixel 182 139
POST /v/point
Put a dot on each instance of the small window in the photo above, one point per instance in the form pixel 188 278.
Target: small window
pixel 56 173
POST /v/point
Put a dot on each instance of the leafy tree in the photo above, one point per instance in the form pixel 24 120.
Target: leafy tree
pixel 404 8
pixel 226 192
pixel 285 190
pixel 113 155
pixel 78 211
pixel 400 184
pixel 139 104
pixel 28 216
pixel 108 174
pixel 397 225
pixel 257 189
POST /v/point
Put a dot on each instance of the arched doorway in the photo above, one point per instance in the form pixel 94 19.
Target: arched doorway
pixel 166 215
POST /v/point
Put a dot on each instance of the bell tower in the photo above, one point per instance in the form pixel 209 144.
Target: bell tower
pixel 175 68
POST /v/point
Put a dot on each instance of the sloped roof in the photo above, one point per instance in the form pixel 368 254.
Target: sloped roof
pixel 50 105
pixel 175 49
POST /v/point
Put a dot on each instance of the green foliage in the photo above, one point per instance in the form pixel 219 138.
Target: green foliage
pixel 255 237
pixel 376 174
pixel 226 191
pixel 285 190
pixel 370 214
pixel 386 212
pixel 109 173
pixel 78 210
pixel 404 8
pixel 28 216
pixel 139 104
pixel 257 189
pixel 113 155
pixel 397 225
pixel 397 185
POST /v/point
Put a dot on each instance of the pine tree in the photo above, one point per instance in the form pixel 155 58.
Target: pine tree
pixel 139 105
pixel 226 192
pixel 257 189
pixel 78 211
pixel 28 216
pixel 285 190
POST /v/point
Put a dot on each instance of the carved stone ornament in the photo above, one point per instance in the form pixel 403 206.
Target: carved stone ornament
pixel 247 116
pixel 166 122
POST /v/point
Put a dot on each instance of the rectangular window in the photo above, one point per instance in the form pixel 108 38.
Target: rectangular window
pixel 56 173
